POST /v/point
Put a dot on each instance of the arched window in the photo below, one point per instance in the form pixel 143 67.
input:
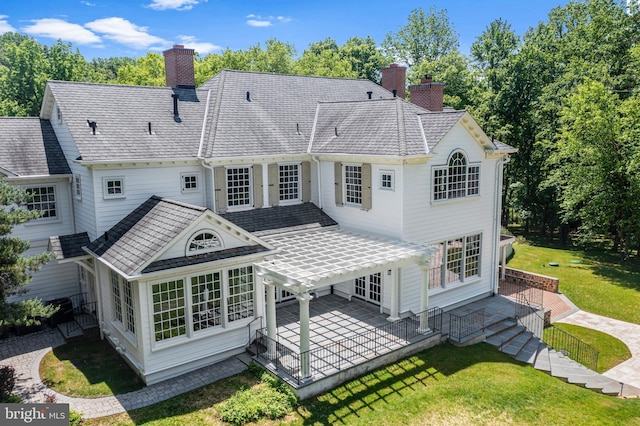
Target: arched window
pixel 202 242
pixel 457 179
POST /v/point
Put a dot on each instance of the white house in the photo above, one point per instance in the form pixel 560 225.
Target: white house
pixel 181 210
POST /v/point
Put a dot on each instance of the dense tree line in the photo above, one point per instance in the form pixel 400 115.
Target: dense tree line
pixel 565 94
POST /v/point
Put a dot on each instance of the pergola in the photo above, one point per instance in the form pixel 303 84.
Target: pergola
pixel 315 259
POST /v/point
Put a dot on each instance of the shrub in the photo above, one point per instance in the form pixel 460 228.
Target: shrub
pixel 75 418
pixel 7 382
pixel 271 399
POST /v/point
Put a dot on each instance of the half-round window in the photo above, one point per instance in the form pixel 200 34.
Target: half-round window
pixel 202 242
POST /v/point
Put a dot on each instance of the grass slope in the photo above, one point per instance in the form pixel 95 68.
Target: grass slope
pixel 445 385
pixel 600 283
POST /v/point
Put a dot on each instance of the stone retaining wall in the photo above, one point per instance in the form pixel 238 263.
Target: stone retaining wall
pixel 533 280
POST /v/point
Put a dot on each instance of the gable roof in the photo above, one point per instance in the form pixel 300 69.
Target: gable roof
pixel 123 115
pixel 438 124
pixel 279 115
pixel 132 244
pixel 29 147
pixel 280 219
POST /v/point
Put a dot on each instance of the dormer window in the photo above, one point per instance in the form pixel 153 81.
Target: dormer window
pixel 203 242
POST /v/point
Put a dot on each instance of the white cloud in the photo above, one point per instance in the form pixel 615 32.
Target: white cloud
pixel 190 42
pixel 86 3
pixel 59 29
pixel 267 21
pixel 173 4
pixel 122 31
pixel 5 27
pixel 258 23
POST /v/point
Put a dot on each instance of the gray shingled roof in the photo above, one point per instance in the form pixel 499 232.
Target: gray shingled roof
pixel 29 147
pixel 371 127
pixel 135 240
pixel 279 116
pixel 68 246
pixel 280 218
pixel 132 243
pixel 123 114
pixel 438 124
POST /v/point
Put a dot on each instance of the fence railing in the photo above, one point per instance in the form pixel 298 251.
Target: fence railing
pixel 528 306
pixel 465 325
pixel 350 351
pixel 572 347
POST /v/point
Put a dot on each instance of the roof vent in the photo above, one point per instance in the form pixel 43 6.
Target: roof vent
pixel 395 93
pixel 93 124
pixel 176 116
pixel 150 131
pixel 298 128
pixel 369 94
pixel 335 129
pixel 248 96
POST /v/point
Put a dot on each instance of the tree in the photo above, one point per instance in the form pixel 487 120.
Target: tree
pixel 147 71
pixel 14 267
pixel 277 57
pixel 365 57
pixel 105 70
pixel 65 64
pixel 595 164
pixel 492 49
pixel 424 38
pixel 22 82
pixel 324 59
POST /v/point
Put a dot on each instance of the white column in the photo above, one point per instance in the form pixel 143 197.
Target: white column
pixel 305 367
pixel 272 326
pixel 394 308
pixel 504 262
pixel 424 299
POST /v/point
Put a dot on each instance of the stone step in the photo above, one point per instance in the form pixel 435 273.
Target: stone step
pixel 499 326
pixel 542 359
pixel 529 352
pixel 517 344
pixel 505 336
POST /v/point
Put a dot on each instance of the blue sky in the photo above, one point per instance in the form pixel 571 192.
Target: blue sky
pixel 104 28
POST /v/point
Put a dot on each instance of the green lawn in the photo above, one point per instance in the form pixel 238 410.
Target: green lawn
pixel 475 385
pixel 600 283
pixel 611 350
pixel 89 369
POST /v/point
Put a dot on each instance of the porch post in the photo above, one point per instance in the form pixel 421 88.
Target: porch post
pixel 394 308
pixel 272 326
pixel 424 299
pixel 305 367
pixel 503 271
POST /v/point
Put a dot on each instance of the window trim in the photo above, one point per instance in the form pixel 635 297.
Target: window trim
pixel 220 246
pixel 471 257
pixel 391 180
pixel 298 184
pixel 77 186
pixel 105 185
pixel 442 175
pixel 56 210
pixel 346 184
pixel 183 182
pixel 249 203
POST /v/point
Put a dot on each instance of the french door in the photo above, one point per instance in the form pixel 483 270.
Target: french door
pixel 369 288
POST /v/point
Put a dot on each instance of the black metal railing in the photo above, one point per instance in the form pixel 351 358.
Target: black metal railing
pixel 572 347
pixel 466 325
pixel 527 314
pixel 350 351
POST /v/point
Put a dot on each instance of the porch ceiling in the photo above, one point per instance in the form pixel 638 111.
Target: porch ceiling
pixel 328 256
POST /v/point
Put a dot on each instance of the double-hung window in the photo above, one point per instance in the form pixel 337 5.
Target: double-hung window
pixel 238 187
pixel 43 198
pixel 123 303
pixel 457 259
pixel 289 182
pixel 457 179
pixel 353 184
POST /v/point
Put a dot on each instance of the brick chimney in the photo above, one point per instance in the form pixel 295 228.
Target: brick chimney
pixel 427 94
pixel 394 78
pixel 178 64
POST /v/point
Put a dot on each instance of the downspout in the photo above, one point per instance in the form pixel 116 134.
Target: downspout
pixel 315 159
pixel 496 222
pixel 200 148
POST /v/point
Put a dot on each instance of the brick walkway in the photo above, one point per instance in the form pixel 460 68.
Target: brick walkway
pixel 25 353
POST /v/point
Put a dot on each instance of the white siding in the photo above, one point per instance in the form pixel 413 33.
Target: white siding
pixel 385 215
pixel 430 222
pixel 139 185
pixel 53 280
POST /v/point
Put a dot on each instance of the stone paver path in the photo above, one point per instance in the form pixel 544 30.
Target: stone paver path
pixel 629 371
pixel 25 353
